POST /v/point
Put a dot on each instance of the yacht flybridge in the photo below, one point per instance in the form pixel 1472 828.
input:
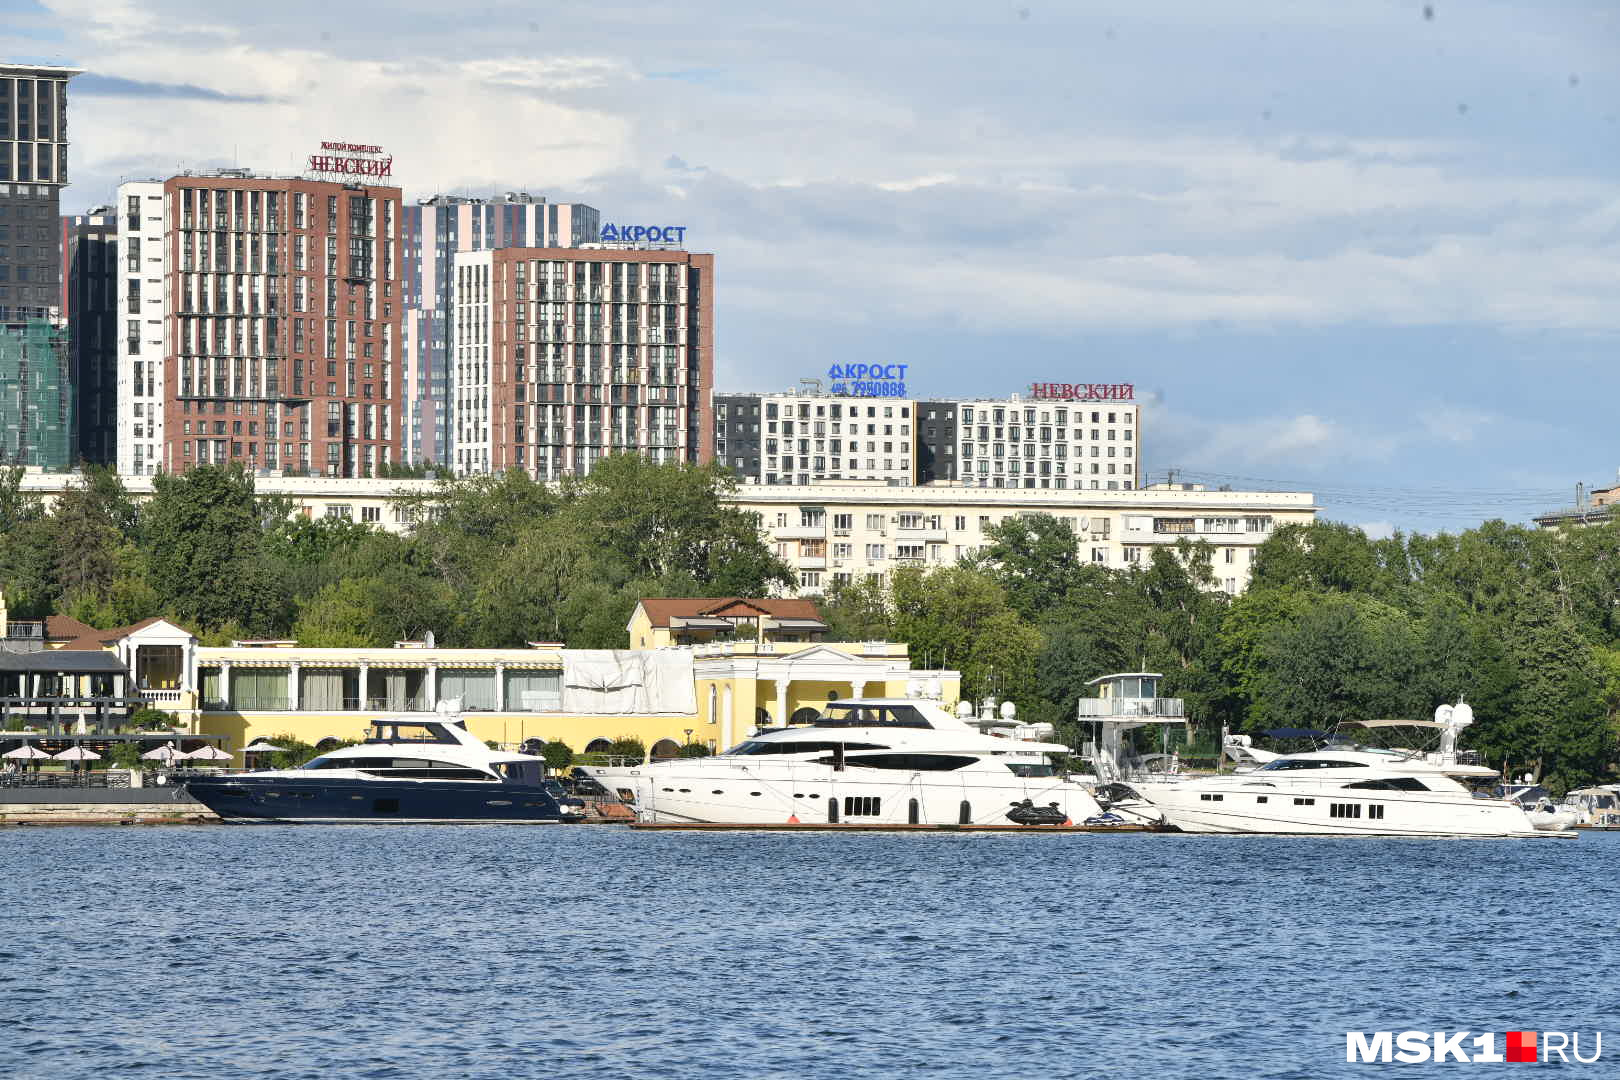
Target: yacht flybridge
pixel 1347 788
pixel 413 768
pixel 867 760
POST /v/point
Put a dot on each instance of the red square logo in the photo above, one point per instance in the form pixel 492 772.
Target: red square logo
pixel 1521 1046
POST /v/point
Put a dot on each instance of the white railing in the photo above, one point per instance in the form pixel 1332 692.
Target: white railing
pixel 1108 708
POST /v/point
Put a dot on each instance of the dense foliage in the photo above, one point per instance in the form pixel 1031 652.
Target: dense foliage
pixel 1524 624
pixel 492 561
pixel 1335 626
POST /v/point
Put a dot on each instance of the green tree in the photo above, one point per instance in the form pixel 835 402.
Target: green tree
pixel 858 610
pixel 203 534
pixel 558 754
pixel 958 617
pixel 1036 559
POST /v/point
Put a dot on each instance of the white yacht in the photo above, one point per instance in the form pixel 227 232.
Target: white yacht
pixel 881 761
pixel 1349 789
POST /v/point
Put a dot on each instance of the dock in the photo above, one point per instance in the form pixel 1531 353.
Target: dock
pixel 864 827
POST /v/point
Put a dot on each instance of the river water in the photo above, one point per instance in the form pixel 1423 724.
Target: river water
pixel 447 952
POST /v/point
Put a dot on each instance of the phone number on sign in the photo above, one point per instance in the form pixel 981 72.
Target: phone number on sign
pixel 871 389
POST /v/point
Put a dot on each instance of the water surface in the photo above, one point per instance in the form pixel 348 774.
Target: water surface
pixel 511 951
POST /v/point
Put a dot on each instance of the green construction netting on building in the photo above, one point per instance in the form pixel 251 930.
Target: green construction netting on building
pixel 36 396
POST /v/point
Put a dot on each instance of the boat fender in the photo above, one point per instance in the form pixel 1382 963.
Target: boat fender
pixel 793 819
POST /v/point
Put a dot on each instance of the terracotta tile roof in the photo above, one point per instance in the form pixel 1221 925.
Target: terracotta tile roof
pixel 661 609
pixel 65 627
pixel 81 637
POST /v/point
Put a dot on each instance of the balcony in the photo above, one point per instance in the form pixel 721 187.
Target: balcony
pixel 1157 708
pixel 799 532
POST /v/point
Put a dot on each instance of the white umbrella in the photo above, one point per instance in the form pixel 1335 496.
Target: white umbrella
pixel 165 753
pixel 207 753
pixel 25 752
pixel 77 753
pixel 259 746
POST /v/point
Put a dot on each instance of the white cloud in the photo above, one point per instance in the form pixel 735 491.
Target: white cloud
pixel 1377 530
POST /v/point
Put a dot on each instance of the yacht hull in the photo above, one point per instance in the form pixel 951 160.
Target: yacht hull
pixel 1192 809
pixel 281 800
pixel 714 791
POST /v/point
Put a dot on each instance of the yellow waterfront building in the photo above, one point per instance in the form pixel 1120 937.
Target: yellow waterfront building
pixel 707 671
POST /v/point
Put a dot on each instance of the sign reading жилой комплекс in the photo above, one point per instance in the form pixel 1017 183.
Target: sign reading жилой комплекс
pixel 869 380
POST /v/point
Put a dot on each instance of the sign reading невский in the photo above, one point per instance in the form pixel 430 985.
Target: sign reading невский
pixel 1053 391
pixel 345 159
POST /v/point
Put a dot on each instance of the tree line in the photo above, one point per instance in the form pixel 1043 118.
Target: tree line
pixel 489 561
pixel 1335 626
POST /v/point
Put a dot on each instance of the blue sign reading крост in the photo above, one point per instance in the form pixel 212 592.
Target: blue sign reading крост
pixel 643 234
pixel 869 380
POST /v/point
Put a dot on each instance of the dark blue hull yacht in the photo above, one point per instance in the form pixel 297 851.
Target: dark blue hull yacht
pixel 412 770
pixel 267 800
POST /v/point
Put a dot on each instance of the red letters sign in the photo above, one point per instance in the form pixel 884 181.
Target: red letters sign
pixel 1054 391
pixel 341 160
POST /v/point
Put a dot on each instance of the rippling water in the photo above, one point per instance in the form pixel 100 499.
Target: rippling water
pixel 445 951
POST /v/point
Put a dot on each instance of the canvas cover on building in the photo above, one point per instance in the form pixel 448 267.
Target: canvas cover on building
pixel 628 682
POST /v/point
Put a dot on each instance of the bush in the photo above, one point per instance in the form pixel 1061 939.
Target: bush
pixel 693 749
pixel 558 754
pixel 150 719
pixel 124 755
pixel 294 752
pixel 627 746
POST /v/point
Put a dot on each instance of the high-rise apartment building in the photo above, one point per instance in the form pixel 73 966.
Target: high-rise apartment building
pixel 562 356
pixel 35 396
pixel 33 171
pixel 1069 441
pixel 263 327
pixel 89 304
pixel 433 231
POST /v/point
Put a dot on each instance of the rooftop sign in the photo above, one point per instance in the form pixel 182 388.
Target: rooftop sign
pixel 344 160
pixel 869 380
pixel 643 234
pixel 1054 391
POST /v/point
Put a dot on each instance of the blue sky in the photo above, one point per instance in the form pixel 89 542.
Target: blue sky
pixel 1370 249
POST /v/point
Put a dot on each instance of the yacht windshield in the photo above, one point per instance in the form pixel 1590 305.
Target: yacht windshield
pixel 1286 764
pixel 856 714
pixel 762 746
pixel 391 731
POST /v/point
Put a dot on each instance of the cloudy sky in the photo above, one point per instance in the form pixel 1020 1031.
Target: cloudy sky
pixel 1367 249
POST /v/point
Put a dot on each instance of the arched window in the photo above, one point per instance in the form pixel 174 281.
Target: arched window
pixel 331 742
pixel 598 746
pixel 714 705
pixel 664 749
pixel 805 715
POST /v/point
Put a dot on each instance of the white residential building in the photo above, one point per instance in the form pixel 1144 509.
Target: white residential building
pixel 142 276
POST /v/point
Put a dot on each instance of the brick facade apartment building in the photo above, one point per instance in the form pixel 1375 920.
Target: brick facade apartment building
pixel 262 324
pixel 565 355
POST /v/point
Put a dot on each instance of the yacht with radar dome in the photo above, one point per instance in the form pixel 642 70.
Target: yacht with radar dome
pixel 868 760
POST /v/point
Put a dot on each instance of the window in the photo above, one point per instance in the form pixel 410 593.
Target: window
pixel 1207 797
pixel 1304 802
pixel 1375 810
pixel 862 806
pixel 476 689
pixel 533 691
pixel 1344 810
pixel 810 579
